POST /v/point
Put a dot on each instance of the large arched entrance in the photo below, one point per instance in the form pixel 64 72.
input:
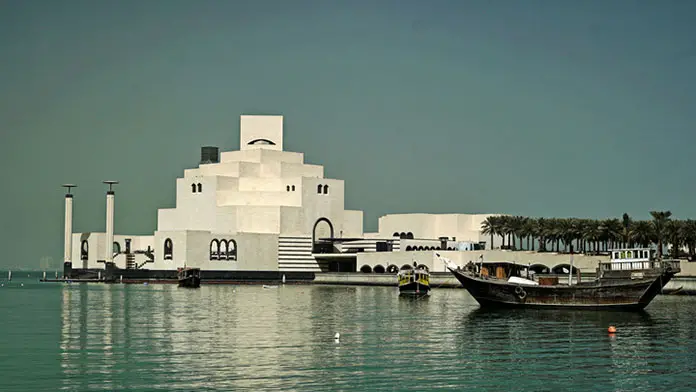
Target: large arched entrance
pixel 322 235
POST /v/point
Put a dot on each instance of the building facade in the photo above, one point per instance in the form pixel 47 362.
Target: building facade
pixel 264 209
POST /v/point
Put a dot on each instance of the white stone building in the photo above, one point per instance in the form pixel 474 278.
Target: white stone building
pixel 263 209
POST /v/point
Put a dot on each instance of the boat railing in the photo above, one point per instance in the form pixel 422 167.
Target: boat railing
pixel 638 265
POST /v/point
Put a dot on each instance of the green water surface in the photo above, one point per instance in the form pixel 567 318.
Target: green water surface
pixel 83 337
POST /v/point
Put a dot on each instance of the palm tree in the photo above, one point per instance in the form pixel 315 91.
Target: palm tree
pixel 627 224
pixel 659 223
pixel 611 232
pixel 689 231
pixel 489 227
pixel 542 225
pixel 593 234
pixel 642 233
pixel 516 227
pixel 675 236
pixel 531 231
pixel 568 231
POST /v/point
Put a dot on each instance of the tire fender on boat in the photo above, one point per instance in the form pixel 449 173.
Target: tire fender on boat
pixel 520 292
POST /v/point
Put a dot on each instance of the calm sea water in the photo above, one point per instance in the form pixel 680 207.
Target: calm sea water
pixel 84 337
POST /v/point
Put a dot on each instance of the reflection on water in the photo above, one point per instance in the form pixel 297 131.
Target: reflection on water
pixel 249 337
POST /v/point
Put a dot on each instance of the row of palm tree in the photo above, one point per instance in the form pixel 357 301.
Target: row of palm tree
pixel 592 235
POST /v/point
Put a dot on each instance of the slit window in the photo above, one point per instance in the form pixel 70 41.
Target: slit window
pixel 168 249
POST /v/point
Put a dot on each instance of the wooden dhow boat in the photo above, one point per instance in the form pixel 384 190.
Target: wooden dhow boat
pixel 630 280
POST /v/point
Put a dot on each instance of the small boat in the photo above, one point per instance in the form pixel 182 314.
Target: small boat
pixel 414 280
pixel 189 277
pixel 630 280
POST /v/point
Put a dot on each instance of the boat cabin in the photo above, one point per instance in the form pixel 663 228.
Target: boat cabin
pixel 512 271
pixel 631 258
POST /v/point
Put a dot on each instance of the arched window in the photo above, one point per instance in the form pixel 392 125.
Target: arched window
pixel 214 249
pixel 326 189
pixel 409 235
pixel 200 187
pixel 287 188
pixel 116 248
pixel 84 250
pixel 232 250
pixel 168 249
pixel 293 188
pixel 395 234
pixel 222 253
pixel 319 188
pixel 193 188
pixel 402 235
pixel 409 248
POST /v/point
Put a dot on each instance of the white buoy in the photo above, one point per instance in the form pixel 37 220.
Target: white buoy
pixel 99 275
pixel 9 276
pixel 337 336
pixel 44 275
pixel 283 278
pixel 120 278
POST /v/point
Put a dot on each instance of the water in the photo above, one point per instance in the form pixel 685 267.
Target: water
pixel 84 337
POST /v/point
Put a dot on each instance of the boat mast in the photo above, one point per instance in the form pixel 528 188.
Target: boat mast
pixel 570 273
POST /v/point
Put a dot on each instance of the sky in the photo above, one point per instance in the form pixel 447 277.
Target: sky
pixel 537 108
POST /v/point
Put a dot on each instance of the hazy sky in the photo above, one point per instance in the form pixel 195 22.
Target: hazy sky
pixel 547 108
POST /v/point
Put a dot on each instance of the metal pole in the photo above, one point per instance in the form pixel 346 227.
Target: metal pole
pixel 570 273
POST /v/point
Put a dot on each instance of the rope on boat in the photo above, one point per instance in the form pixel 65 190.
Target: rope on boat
pixel 437 287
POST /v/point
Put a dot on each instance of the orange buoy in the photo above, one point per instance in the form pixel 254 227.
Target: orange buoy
pixel 612 329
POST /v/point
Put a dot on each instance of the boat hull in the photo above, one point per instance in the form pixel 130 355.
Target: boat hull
pixel 626 295
pixel 190 281
pixel 414 289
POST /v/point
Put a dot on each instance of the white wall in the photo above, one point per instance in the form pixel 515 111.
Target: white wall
pixel 97 246
pixel 260 127
pixel 319 205
pixel 464 227
pixel 258 219
pixel 352 223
